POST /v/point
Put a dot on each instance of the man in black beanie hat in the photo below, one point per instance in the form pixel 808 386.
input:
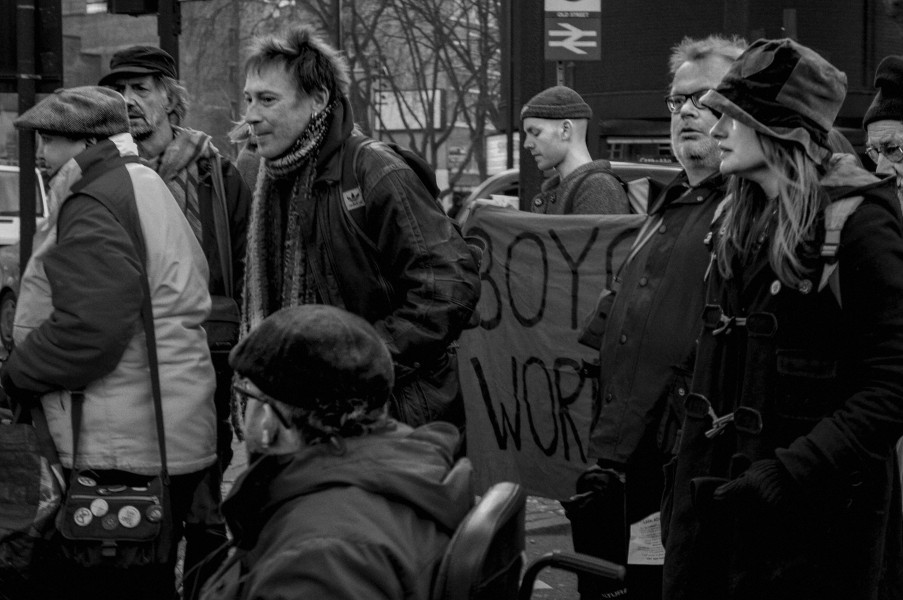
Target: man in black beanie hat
pixel 883 121
pixel 343 501
pixel 554 124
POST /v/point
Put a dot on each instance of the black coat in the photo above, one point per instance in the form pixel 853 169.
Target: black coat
pixel 821 391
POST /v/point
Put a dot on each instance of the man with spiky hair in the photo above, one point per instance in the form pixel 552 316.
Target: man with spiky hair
pixel 379 245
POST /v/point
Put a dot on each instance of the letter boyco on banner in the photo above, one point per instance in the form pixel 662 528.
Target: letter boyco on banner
pixel 528 404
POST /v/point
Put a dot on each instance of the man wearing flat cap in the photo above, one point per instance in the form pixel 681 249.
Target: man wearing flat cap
pixel 77 324
pixel 207 187
pixel 344 502
pixel 554 124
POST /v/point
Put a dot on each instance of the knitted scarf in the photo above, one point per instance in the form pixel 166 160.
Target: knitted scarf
pixel 277 273
pixel 178 167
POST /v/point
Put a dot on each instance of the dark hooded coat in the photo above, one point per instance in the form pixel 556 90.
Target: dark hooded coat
pixel 817 387
pixel 370 523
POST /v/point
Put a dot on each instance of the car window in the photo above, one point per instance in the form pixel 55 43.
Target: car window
pixel 9 195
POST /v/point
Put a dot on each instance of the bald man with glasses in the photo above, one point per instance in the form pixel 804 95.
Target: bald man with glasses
pixel 883 121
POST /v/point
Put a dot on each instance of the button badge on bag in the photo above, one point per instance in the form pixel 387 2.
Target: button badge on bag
pixel 82 517
pixel 154 513
pixel 129 516
pixel 110 522
pixel 99 507
pixel 86 481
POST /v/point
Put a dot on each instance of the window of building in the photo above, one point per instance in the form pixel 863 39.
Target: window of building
pixel 93 7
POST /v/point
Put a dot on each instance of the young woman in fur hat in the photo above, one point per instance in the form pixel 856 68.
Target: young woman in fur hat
pixel 785 484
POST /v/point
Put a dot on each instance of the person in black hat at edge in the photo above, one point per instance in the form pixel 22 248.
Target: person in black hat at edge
pixel 883 123
pixel 786 481
pixel 343 501
pixel 188 162
pixel 554 124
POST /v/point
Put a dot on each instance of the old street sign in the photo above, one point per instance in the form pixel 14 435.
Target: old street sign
pixel 573 29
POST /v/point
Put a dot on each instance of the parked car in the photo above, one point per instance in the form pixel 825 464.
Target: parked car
pixel 9 203
pixel 9 291
pixel 507 183
pixel 9 243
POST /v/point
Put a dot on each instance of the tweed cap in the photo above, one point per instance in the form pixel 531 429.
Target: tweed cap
pixel 785 90
pixel 140 60
pixel 559 102
pixel 319 358
pixel 888 102
pixel 78 113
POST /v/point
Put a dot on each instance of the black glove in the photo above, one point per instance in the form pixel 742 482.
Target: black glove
pixel 13 395
pixel 765 480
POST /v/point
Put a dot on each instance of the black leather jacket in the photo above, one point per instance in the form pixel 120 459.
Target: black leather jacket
pixel 397 260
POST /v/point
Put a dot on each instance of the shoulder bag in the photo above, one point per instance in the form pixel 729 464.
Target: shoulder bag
pixel 114 518
pixel 223 323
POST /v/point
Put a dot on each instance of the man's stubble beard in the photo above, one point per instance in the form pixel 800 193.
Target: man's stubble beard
pixel 702 155
pixel 141 131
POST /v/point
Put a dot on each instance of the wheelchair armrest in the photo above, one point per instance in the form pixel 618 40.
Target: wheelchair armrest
pixel 574 562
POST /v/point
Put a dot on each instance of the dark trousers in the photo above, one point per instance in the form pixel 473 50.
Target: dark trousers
pixel 205 527
pixel 601 513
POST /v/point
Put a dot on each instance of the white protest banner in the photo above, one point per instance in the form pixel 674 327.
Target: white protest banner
pixel 528 404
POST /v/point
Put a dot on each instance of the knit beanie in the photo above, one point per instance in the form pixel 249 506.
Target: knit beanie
pixel 319 358
pixel 784 90
pixel 559 102
pixel 78 113
pixel 888 102
pixel 140 60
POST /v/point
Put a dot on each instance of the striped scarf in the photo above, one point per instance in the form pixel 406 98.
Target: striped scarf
pixel 178 167
pixel 277 273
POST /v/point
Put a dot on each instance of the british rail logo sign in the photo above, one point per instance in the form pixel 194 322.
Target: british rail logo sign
pixel 573 29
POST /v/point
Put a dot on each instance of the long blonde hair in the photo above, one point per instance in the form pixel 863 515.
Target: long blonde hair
pixel 797 205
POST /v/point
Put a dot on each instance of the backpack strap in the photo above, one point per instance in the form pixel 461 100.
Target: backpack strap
pixel 220 222
pixel 836 215
pixel 352 195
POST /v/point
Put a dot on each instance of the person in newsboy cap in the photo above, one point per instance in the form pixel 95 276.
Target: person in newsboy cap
pixel 363 505
pixel 554 126
pixel 883 121
pixel 325 367
pixel 69 120
pixel 80 297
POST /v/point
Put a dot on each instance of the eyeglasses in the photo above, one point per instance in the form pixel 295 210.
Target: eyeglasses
pixel 676 101
pixel 239 388
pixel 891 153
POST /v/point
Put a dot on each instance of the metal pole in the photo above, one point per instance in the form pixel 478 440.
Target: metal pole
pixel 339 34
pixel 26 84
pixel 508 71
pixel 559 73
pixel 789 23
pixel 169 27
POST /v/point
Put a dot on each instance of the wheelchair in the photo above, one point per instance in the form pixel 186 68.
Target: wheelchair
pixel 485 556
